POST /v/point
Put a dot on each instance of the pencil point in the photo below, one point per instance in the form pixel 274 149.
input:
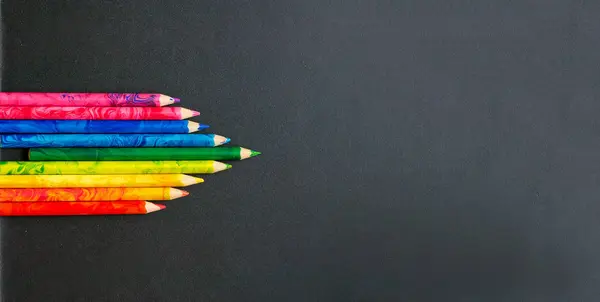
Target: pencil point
pixel 165 100
pixel 219 166
pixel 176 101
pixel 202 127
pixel 176 193
pixel 245 153
pixel 151 207
pixel 191 180
pixel 187 113
pixel 193 126
pixel 220 140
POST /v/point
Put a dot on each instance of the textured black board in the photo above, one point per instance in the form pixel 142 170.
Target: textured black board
pixel 421 150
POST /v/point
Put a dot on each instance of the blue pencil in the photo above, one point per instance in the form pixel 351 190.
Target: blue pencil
pixel 98 126
pixel 110 140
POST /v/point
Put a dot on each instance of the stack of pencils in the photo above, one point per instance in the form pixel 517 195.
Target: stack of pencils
pixel 102 153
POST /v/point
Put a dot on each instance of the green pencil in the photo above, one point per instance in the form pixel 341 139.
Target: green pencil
pixel 94 154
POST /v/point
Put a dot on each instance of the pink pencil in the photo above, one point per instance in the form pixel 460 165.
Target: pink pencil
pixel 59 99
pixel 96 113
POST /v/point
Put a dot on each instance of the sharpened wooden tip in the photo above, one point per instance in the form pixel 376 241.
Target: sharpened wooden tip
pixel 165 100
pixel 221 140
pixel 219 166
pixel 187 113
pixel 191 180
pixel 247 153
pixel 193 126
pixel 151 207
pixel 176 193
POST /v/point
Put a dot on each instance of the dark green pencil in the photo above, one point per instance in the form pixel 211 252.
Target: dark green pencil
pixel 94 154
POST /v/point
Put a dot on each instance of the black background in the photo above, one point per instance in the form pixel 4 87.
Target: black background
pixel 422 150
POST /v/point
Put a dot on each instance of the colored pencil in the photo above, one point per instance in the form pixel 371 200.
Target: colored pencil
pixel 89 194
pixel 78 208
pixel 110 167
pixel 59 99
pixel 97 181
pixel 98 126
pixel 219 153
pixel 110 140
pixel 96 113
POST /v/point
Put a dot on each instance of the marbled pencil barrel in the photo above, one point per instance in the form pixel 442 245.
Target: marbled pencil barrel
pixel 66 99
pixel 95 113
pixel 88 194
pixel 78 208
pixel 110 167
pixel 98 126
pixel 110 140
pixel 97 181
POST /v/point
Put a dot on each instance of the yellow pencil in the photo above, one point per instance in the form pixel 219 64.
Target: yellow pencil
pixel 110 167
pixel 97 181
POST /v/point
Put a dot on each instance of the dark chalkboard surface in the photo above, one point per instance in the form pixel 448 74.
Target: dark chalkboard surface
pixel 420 150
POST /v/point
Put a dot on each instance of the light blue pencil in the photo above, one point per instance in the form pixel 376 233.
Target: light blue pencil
pixel 110 140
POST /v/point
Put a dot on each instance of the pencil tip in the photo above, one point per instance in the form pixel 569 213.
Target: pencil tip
pixel 219 166
pixel 220 140
pixel 191 180
pixel 193 126
pixel 152 207
pixel 203 126
pixel 162 206
pixel 177 193
pixel 254 153
pixel 165 100
pixel 187 113
pixel 245 153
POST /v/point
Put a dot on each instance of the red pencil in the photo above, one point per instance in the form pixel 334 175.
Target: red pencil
pixel 78 208
pixel 96 113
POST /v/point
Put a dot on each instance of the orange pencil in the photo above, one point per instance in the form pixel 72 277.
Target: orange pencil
pixel 78 208
pixel 88 194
